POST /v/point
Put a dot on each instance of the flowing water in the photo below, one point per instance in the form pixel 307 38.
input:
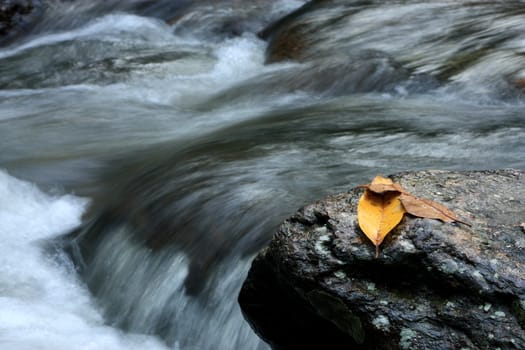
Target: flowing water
pixel 147 150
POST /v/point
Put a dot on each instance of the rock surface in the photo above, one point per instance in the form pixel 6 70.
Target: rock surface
pixel 15 15
pixel 434 285
pixel 403 30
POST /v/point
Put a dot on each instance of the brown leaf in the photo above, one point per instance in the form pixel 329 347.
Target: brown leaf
pixel 378 214
pixel 384 203
pixel 382 184
pixel 425 208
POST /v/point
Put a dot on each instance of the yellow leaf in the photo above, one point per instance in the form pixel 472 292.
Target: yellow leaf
pixel 378 214
pixel 383 204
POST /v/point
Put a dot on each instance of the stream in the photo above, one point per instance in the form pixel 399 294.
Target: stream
pixel 149 150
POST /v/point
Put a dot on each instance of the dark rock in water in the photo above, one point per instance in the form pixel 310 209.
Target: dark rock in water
pixel 434 285
pixel 15 16
pixel 339 75
pixel 10 11
pixel 295 36
pixel 286 39
pixel 408 32
pixel 320 32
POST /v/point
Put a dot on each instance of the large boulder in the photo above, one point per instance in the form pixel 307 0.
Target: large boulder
pixel 433 286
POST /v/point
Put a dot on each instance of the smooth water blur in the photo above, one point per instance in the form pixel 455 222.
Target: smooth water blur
pixel 192 150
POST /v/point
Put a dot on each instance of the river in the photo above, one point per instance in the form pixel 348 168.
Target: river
pixel 148 151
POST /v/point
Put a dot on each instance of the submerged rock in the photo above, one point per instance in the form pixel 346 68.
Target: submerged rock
pixel 476 35
pixel 16 16
pixel 434 285
pixel 368 72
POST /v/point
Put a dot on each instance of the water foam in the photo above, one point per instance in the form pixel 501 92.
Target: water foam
pixel 112 28
pixel 42 305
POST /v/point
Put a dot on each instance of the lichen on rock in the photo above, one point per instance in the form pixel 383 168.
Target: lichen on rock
pixel 435 285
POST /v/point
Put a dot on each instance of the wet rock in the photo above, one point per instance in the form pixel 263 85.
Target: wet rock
pixel 410 32
pixel 290 37
pixel 520 83
pixel 366 72
pixel 321 32
pixel 434 285
pixel 285 41
pixel 16 16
